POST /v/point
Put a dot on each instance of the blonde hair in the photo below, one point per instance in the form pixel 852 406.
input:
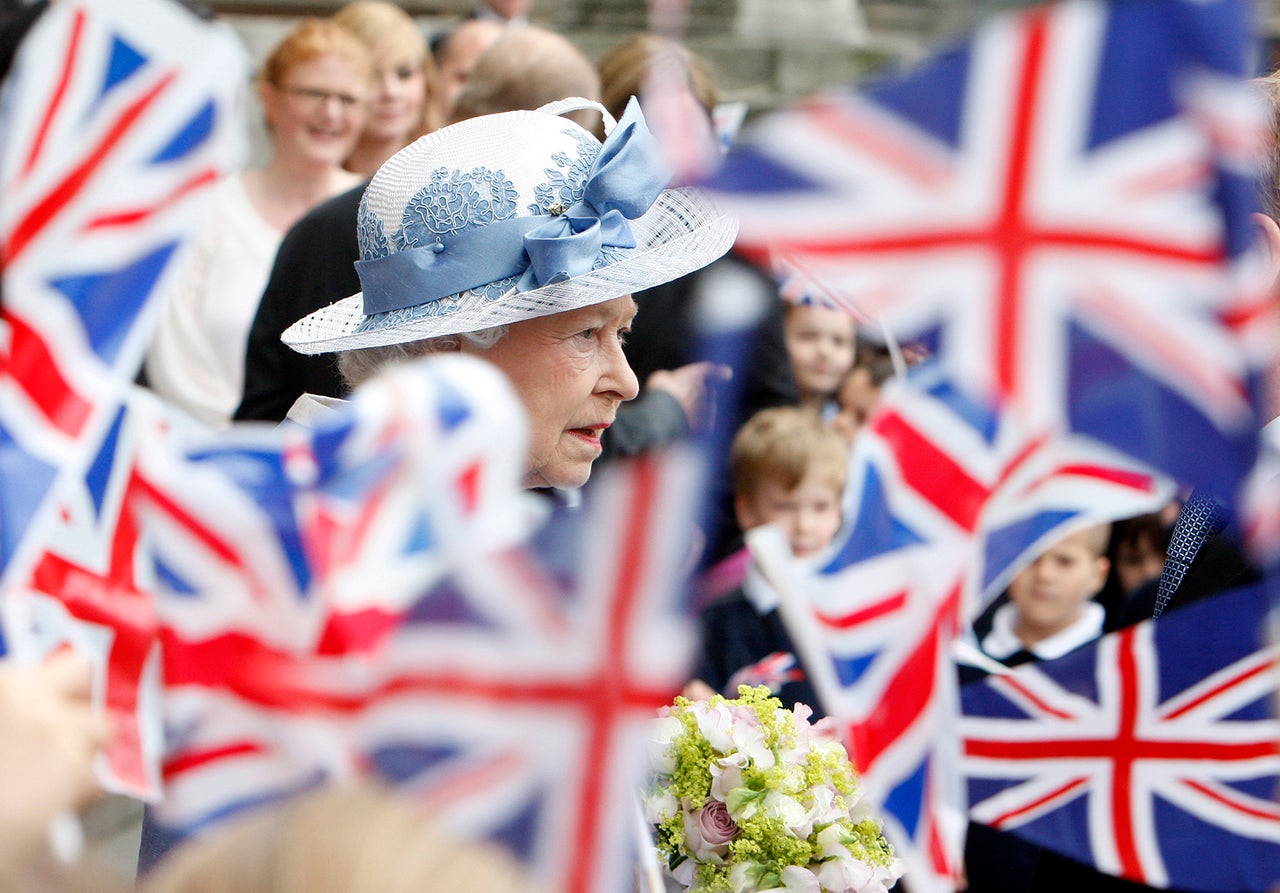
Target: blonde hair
pixel 310 39
pixel 1269 188
pixel 623 70
pixel 338 839
pixel 786 444
pixel 391 33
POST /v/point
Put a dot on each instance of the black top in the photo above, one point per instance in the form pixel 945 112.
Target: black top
pixel 314 267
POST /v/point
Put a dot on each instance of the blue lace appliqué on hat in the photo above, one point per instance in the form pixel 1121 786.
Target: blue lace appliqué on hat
pixel 454 201
pixel 373 241
pixel 457 200
pixel 566 183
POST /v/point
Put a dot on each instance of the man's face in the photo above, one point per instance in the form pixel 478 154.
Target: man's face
pixel 569 371
pixel 460 55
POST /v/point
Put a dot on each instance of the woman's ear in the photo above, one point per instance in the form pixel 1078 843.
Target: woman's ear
pixel 1270 231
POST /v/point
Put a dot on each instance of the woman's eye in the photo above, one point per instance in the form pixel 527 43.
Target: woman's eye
pixel 404 73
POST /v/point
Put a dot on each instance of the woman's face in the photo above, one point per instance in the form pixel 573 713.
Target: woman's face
pixel 399 96
pixel 317 111
pixel 569 371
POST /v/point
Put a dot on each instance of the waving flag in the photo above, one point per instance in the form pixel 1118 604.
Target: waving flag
pixel 506 704
pixel 1058 203
pixel 1153 754
pixel 90 587
pixel 117 116
pixel 946 500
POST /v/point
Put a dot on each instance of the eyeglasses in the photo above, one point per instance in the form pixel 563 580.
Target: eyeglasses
pixel 316 99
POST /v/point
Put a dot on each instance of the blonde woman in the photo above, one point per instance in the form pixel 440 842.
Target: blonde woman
pixel 406 93
pixel 314 87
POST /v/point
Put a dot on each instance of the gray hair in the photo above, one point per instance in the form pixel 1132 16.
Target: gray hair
pixel 360 364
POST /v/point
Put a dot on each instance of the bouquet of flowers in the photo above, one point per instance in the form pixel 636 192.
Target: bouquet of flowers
pixel 749 797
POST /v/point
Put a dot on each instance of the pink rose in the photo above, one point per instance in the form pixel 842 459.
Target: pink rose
pixel 709 830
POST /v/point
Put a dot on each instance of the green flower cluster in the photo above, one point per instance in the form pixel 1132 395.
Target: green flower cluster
pixel 790 796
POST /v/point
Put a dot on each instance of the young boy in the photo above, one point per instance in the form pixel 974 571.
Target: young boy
pixel 820 345
pixel 1051 609
pixel 788 468
pixel 1049 613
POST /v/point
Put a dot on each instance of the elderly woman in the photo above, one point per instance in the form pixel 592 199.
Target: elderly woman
pixel 520 238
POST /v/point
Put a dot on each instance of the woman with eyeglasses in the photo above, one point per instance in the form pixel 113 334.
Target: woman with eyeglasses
pixel 315 88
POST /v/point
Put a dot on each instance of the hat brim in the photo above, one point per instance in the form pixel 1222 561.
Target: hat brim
pixel 683 231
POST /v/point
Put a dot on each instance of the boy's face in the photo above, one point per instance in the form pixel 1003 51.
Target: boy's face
pixel 1051 592
pixel 820 345
pixel 809 514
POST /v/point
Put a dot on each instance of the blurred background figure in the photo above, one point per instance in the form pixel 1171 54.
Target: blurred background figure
pixel 525 68
pixel 314 88
pixel 679 93
pixel 859 393
pixel 457 52
pixel 512 11
pixel 352 839
pixel 820 345
pixel 625 67
pixel 1139 547
pixel 405 102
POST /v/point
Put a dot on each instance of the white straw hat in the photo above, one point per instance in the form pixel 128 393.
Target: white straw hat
pixel 506 217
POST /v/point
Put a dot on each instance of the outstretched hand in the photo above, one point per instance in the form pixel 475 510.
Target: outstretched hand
pixel 49 734
pixel 690 385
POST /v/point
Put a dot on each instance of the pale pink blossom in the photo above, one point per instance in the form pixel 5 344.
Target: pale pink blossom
pixel 716 725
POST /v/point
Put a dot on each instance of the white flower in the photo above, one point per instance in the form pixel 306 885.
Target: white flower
pixel 726 775
pixel 831 839
pixel 662 732
pixel 683 873
pixel 796 880
pixel 659 805
pixel 749 739
pixel 715 724
pixel 787 810
pixel 825 806
pixel 844 873
pixel 744 877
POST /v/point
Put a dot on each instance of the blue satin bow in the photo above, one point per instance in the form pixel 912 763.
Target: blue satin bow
pixel 628 175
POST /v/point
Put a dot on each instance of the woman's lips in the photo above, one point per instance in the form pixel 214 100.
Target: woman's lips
pixel 589 434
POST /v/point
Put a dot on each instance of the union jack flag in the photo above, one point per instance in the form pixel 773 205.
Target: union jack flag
pixel 117 117
pixel 507 705
pixel 947 498
pixel 1056 205
pixel 89 587
pixel 1153 754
